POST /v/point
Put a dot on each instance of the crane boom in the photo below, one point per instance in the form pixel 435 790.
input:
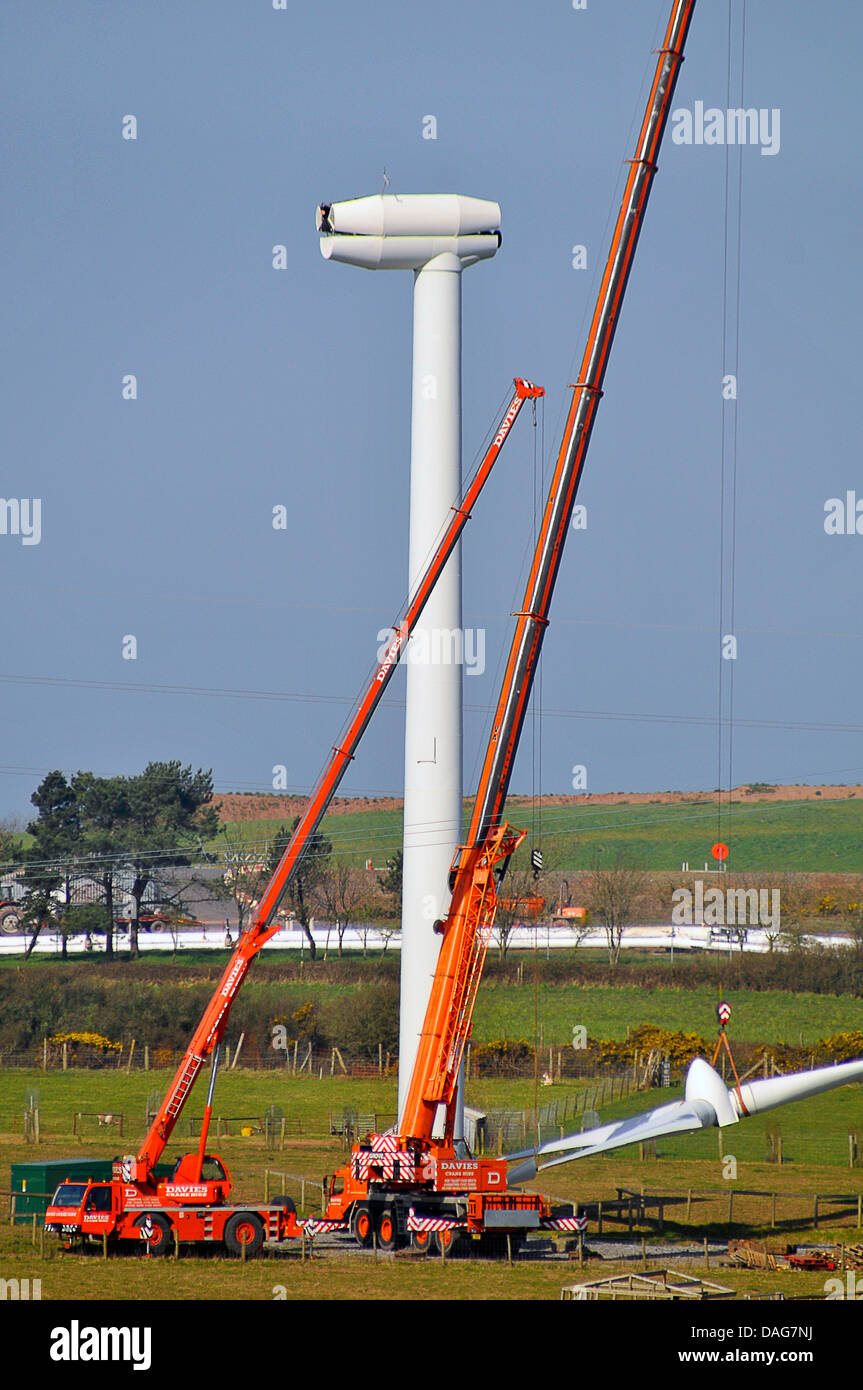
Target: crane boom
pixel 262 926
pixel 468 925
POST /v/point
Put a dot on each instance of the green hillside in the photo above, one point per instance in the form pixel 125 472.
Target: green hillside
pixel 789 836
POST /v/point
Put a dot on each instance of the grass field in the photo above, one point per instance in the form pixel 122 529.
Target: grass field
pixel 791 836
pixel 815 1150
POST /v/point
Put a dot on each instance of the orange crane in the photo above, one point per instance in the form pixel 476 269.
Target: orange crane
pixel 413 1183
pixel 193 1202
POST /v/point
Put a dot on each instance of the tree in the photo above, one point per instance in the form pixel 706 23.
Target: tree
pixel 308 875
pixel 169 811
pixel 103 815
pixel 340 894
pixel 516 905
pixel 390 883
pixel 614 892
pixel 49 861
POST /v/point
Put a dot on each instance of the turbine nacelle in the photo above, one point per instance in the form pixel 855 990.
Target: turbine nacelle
pixel 406 231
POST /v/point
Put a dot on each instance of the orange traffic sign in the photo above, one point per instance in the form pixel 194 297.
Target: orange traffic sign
pixel 719 851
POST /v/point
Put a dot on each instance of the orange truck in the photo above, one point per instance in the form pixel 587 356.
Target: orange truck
pixel 191 1206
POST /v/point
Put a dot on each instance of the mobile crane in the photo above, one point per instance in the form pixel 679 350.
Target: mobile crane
pixel 193 1202
pixel 413 1184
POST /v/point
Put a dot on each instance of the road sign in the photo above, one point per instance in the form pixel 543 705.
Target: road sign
pixel 719 851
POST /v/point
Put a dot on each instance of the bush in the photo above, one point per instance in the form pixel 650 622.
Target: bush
pixel 360 1022
pixel 504 1057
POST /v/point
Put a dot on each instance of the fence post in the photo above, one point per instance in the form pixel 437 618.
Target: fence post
pixel 859 1209
pixel 44 1054
pixel 282 1134
pixel 266 1185
pixel 815 1211
pixel 65 1056
pixel 688 1202
pixel 146 1056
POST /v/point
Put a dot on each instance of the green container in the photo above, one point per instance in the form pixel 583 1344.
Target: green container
pixel 34 1184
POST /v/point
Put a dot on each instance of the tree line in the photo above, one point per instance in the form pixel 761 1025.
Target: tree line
pixel 119 836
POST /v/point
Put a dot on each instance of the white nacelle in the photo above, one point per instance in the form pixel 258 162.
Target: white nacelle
pixel 406 232
pixel 410 214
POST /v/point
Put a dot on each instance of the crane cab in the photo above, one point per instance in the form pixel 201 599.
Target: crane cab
pixel 184 1185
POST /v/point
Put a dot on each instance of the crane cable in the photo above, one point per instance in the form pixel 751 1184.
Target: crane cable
pixel 728 434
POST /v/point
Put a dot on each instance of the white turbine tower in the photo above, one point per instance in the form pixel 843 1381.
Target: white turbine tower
pixel 436 236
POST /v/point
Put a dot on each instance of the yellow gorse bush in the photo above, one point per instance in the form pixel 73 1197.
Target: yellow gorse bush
pixel 86 1039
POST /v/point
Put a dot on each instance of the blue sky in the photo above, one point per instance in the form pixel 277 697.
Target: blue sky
pixel 259 387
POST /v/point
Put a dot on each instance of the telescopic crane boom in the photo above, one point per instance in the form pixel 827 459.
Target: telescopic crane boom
pixel 490 842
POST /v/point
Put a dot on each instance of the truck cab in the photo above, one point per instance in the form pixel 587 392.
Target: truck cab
pixel 82 1209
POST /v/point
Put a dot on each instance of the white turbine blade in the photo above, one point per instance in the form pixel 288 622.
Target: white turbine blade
pixel 758 1096
pixel 678 1116
pixel 708 1102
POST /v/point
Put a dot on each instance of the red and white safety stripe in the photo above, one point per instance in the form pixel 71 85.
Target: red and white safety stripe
pixel 431 1223
pixel 381 1167
pixel 317 1226
pixel 565 1223
pixel 385 1143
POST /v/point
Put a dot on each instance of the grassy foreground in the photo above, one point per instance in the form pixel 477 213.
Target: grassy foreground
pixel 815 1150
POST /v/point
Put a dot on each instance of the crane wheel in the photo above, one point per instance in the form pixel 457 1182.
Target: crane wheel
pixel 449 1241
pixel 244 1228
pixel 422 1242
pixel 156 1234
pixel 287 1202
pixel 362 1227
pixel 388 1230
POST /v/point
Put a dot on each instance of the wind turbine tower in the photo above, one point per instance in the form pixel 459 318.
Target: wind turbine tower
pixel 436 236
